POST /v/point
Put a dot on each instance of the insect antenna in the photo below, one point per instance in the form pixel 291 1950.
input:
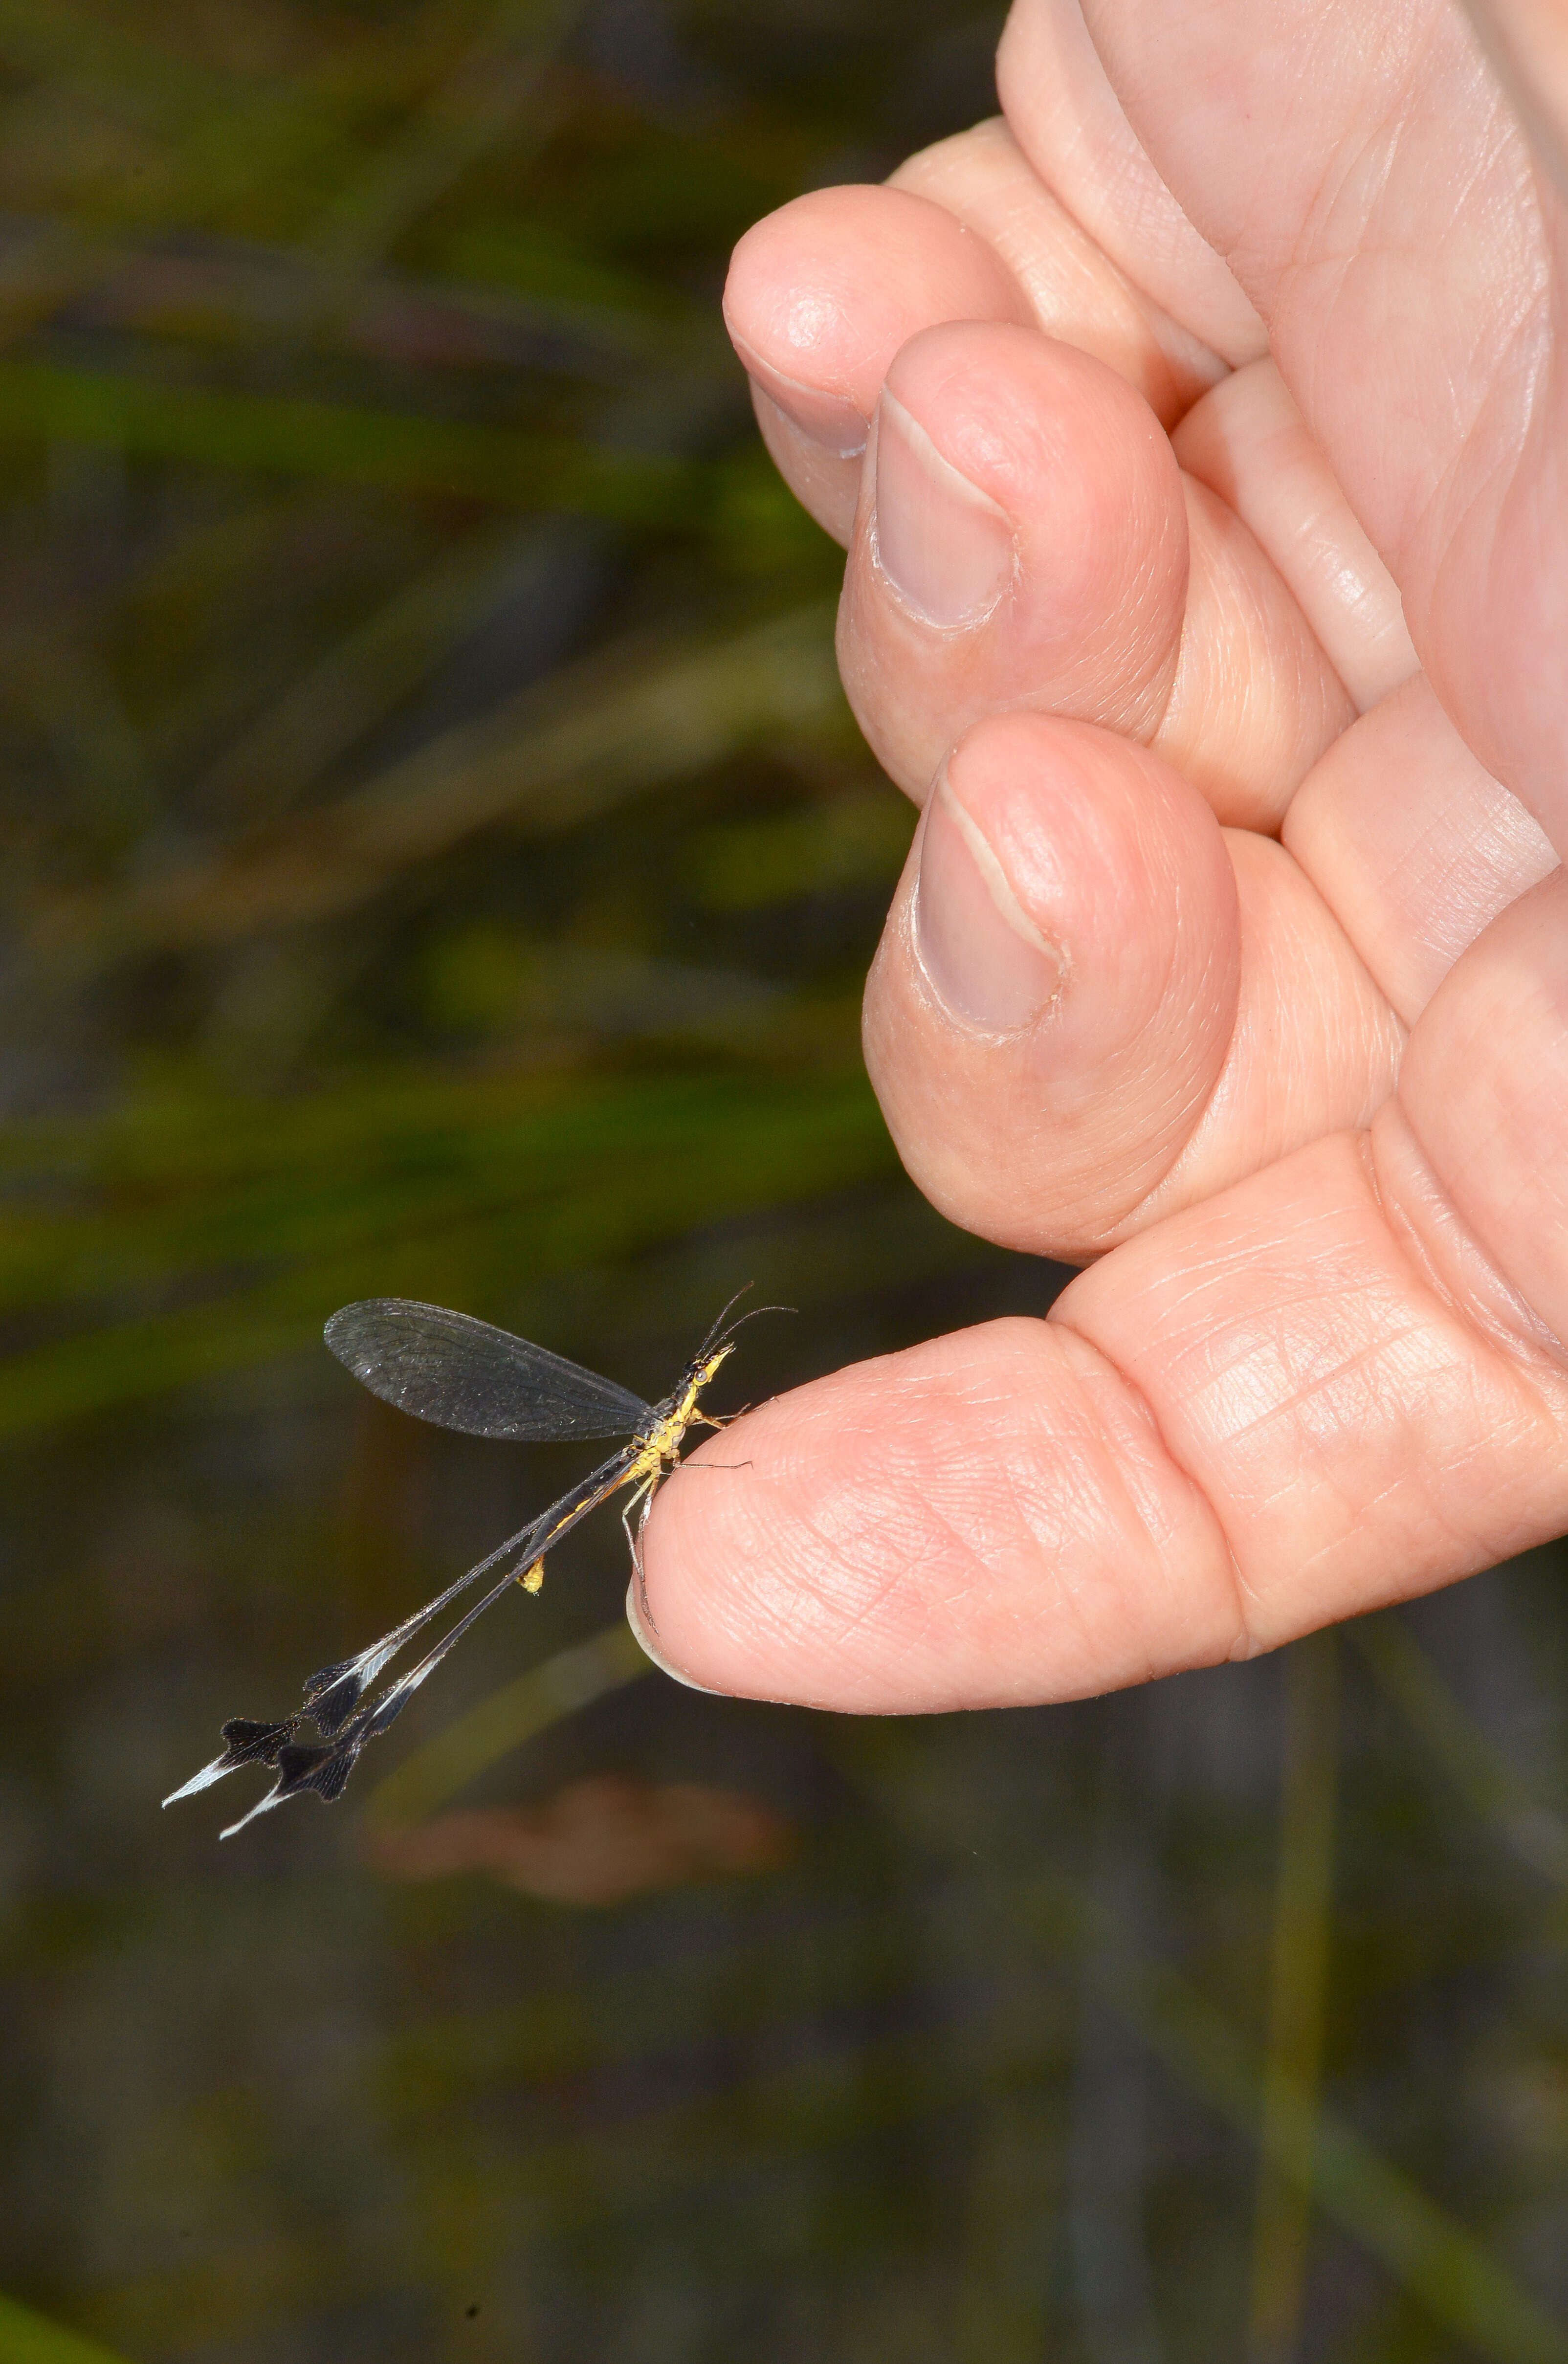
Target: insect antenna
pixel 724 1328
pixel 711 1340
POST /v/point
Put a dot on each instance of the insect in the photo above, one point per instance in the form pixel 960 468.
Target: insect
pixel 461 1374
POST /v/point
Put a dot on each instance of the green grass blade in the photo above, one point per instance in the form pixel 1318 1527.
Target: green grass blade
pixel 1436 2259
pixel 1293 2067
pixel 321 714
pixel 330 1177
pixel 476 108
pixel 545 1194
pixel 26 2338
pixel 1460 2283
pixel 633 718
pixel 1477 1768
pixel 394 451
pixel 74 46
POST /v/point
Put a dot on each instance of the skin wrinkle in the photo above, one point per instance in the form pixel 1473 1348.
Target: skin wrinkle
pixel 1361 1505
pixel 1068 1598
pixel 1149 219
pixel 1450 873
pixel 1399 76
pixel 1504 825
pixel 1143 1499
pixel 1430 525
pixel 1498 479
pixel 1039 1538
pixel 868 1434
pixel 1308 260
pixel 1498 148
pixel 1455 1366
pixel 1217 1274
pixel 1200 1112
pixel 1320 553
pixel 1317 549
pixel 1070 265
pixel 1420 65
pixel 1434 1523
pixel 1241 1590
pixel 1295 1098
pixel 1240 667
pixel 901 1490
pixel 1224 675
pixel 873 1602
pixel 834 1623
pixel 1306 1392
pixel 1142 1505
pixel 1227 248
pixel 969 1557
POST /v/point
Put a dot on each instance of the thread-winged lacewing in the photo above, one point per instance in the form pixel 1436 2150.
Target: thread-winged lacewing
pixel 461 1374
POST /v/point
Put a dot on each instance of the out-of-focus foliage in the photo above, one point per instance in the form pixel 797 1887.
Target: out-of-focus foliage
pixel 424 770
pixel 438 860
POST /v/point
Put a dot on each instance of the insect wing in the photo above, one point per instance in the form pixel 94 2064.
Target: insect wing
pixel 459 1373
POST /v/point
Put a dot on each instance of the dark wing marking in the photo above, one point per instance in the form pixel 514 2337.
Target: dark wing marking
pixel 244 1743
pixel 459 1373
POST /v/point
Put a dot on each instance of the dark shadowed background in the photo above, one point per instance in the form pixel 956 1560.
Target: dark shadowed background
pixel 438 860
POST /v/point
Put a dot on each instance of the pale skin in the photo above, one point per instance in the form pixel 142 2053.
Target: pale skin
pixel 1207 588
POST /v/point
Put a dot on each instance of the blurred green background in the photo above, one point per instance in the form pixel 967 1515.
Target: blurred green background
pixel 438 860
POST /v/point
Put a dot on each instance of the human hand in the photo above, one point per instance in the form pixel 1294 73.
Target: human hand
pixel 1209 552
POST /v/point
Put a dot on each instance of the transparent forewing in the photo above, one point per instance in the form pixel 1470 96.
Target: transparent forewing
pixel 459 1373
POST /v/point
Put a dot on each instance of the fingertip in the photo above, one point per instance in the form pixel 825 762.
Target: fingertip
pixel 820 297
pixel 642 1635
pixel 985 1519
pixel 826 483
pixel 1021 540
pixel 1053 997
pixel 825 290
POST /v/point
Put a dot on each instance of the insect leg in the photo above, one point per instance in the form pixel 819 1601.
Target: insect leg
pixel 644 1495
pixel 630 1504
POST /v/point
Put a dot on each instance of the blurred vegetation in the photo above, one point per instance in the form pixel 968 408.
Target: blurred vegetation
pixel 441 861
pixel 425 769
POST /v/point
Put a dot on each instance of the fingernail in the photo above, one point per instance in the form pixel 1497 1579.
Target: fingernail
pixel 650 1648
pixel 984 957
pixel 825 418
pixel 943 544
